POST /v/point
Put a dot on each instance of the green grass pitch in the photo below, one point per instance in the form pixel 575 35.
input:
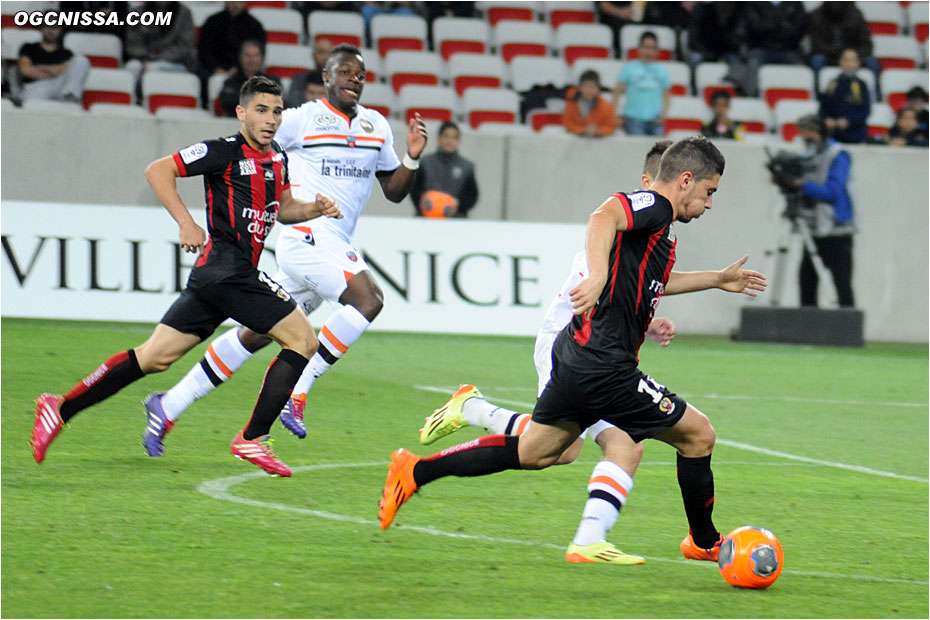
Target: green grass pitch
pixel 826 447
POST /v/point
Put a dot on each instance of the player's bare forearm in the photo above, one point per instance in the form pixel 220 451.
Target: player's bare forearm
pixel 398 184
pixel 162 175
pixel 691 281
pixel 294 211
pixel 733 279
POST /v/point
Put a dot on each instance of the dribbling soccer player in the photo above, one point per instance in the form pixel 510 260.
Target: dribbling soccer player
pixel 630 247
pixel 612 478
pixel 247 190
pixel 338 147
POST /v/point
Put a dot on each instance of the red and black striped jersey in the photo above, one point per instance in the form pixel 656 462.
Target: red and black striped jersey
pixel 640 262
pixel 243 189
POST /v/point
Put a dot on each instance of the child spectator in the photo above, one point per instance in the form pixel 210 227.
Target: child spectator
pixel 917 100
pixel 586 112
pixel 721 126
pixel 845 104
pixel 646 85
pixel 906 130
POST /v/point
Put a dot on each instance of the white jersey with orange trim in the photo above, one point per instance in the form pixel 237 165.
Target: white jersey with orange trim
pixel 332 155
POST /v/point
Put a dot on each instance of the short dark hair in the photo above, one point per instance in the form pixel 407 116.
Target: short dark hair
pixel 255 42
pixel 342 48
pixel 917 92
pixel 718 94
pixel 651 163
pixel 255 85
pixel 449 125
pixel 590 75
pixel 696 155
pixel 648 34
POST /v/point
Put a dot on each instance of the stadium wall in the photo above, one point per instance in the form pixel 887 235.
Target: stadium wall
pixel 60 158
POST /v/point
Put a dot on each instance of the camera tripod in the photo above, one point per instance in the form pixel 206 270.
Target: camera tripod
pixel 791 228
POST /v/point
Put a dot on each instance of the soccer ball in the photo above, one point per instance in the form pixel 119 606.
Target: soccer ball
pixel 750 557
pixel 438 204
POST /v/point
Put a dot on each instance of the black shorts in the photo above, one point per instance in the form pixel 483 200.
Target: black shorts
pixel 251 298
pixel 628 399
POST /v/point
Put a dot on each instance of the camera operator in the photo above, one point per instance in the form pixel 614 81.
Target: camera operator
pixel 825 183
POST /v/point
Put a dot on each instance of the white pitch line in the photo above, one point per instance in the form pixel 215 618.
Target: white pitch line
pixel 220 489
pixel 733 444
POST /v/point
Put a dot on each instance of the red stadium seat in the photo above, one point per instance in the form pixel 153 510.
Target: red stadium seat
pixel 108 86
pixel 896 52
pixel 435 103
pixel 538 119
pixel 337 26
pixel 405 67
pixel 685 114
pixel 490 105
pixel 576 41
pixel 558 13
pixel 917 17
pixel 496 12
pixel 456 35
pixel 286 61
pixel 787 112
pixel 777 82
pixel 471 70
pixel 170 88
pixel 379 97
pixel 514 38
pixel 896 82
pixel 102 50
pixel 398 32
pixel 282 25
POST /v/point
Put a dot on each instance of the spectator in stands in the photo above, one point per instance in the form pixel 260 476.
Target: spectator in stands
pixel 314 89
pixel 48 70
pixel 251 62
pixel 370 9
pixel 299 83
pixel 906 130
pixel 448 9
pixel 721 126
pixel 646 85
pixel 118 27
pixel 222 35
pixel 162 48
pixel 587 113
pixel 615 15
pixel 773 33
pixel 445 184
pixel 845 103
pixel 834 26
pixel 714 34
pixel 917 100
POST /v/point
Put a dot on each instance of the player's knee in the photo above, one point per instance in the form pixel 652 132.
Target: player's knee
pixel 536 461
pixel 370 307
pixel 251 340
pixel 570 455
pixel 703 439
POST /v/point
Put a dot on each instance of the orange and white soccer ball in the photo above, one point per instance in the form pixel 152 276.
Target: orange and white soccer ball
pixel 750 557
pixel 438 204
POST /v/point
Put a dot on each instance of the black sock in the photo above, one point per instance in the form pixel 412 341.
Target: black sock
pixel 279 382
pixel 697 490
pixel 109 378
pixel 485 455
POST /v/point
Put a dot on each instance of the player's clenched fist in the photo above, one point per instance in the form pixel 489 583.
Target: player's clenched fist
pixel 328 206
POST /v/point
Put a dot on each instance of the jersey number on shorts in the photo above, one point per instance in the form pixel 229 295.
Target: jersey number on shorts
pixel 654 391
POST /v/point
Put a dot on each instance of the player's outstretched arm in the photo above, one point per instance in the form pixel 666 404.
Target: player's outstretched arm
pixel 603 225
pixel 293 211
pixel 733 279
pixel 162 175
pixel 662 330
pixel 396 185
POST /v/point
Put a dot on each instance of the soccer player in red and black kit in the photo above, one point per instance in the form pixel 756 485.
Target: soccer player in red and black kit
pixel 247 189
pixel 630 246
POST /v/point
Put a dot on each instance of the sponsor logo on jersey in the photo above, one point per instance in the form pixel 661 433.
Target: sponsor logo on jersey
pixel 269 175
pixel 666 406
pixel 327 120
pixel 261 220
pixel 641 200
pixel 246 167
pixel 193 152
pixel 366 125
pixel 348 170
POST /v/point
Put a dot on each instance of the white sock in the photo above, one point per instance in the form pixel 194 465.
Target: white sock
pixel 496 420
pixel 339 332
pixel 607 490
pixel 224 356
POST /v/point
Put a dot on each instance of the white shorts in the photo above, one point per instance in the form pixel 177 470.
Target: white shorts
pixel 315 265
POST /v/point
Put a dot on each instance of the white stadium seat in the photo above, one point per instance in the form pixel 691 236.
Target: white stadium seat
pixel 170 88
pixel 115 86
pixel 777 82
pixel 526 71
pixel 437 103
pixel 102 50
pixel 405 67
pixel 574 41
pixel 283 26
pixel 337 26
pixel 398 32
pixel 458 35
pixel 470 70
pixel 786 114
pixel 490 105
pixel 513 39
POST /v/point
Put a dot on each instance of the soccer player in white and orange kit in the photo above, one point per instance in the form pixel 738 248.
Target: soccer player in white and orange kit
pixel 340 148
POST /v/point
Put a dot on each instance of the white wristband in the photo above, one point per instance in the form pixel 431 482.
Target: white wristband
pixel 410 163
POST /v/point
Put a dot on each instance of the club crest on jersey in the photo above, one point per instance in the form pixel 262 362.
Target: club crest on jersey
pixel 352 256
pixel 641 200
pixel 366 125
pixel 269 175
pixel 193 153
pixel 350 140
pixel 246 167
pixel 666 406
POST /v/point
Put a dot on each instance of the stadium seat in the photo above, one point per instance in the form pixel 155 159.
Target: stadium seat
pixel 108 86
pixel 437 103
pixel 896 82
pixel 490 105
pixel 9 9
pixel 787 112
pixel 337 26
pixel 777 82
pixel 214 86
pixel 12 39
pixel 379 97
pixel 896 52
pixel 527 71
pixel 679 75
pixel 710 76
pixel 102 50
pixel 455 35
pixel 495 12
pixel 283 26
pixel 515 38
pixel 881 119
pixel 374 65
pixel 117 109
pixel 629 40
pixel 558 13
pixel 398 32
pixel 686 113
pixel 286 61
pixel 882 17
pixel 607 69
pixel 266 4
pixel 752 112
pixel 185 114
pixel 918 19
pixel 470 70
pixel 170 88
pixel 574 41
pixel 540 118
pixel 503 129
pixel 829 73
pixel 405 67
